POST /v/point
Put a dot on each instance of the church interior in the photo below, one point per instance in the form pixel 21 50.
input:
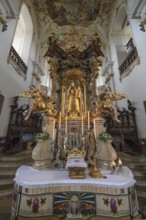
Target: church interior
pixel 72 109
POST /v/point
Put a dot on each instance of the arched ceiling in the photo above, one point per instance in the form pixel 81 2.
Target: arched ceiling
pixel 73 22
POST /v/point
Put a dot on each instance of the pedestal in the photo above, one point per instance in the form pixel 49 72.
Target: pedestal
pixel 105 153
pixel 42 154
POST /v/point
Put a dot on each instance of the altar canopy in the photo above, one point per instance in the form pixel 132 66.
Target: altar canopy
pixel 52 195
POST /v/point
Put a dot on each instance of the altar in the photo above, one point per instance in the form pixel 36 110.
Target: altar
pixel 51 194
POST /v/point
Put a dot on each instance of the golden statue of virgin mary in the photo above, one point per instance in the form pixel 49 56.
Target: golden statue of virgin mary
pixel 74 100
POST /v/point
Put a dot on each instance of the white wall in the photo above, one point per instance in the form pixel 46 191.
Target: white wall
pixel 134 84
pixel 11 84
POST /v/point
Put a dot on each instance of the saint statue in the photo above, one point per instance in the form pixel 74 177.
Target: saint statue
pixel 74 99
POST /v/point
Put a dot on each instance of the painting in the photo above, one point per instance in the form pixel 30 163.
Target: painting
pixel 1 102
pixel 70 12
pixel 144 103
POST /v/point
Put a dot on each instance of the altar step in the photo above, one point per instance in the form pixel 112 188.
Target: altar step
pixel 137 164
pixel 8 166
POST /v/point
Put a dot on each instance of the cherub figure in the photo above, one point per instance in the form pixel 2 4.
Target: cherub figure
pixel 106 103
pixel 41 103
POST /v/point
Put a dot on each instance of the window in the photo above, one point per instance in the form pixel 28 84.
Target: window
pixel 127 54
pixel 23 34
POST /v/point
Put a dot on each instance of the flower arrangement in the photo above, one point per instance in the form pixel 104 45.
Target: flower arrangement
pixel 42 136
pixel 105 137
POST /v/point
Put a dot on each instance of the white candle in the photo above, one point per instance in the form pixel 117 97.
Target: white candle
pixel 94 128
pixel 60 121
pixel 66 126
pixel 82 125
pixel 88 122
pixel 120 164
pixel 53 136
pixel 113 166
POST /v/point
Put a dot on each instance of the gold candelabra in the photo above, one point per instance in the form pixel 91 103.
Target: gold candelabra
pixel 94 172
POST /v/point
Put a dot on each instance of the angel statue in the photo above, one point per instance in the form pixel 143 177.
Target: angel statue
pixel 105 103
pixel 41 103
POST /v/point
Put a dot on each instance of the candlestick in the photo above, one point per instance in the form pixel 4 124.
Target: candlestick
pixel 94 128
pixel 59 120
pixel 53 135
pixel 66 126
pixel 88 121
pixel 82 125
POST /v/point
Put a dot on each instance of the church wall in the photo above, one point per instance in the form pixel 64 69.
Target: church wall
pixel 132 85
pixel 11 83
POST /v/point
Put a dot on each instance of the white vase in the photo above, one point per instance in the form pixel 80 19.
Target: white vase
pixel 42 155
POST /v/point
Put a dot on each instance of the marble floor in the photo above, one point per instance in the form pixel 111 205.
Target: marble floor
pixel 5 207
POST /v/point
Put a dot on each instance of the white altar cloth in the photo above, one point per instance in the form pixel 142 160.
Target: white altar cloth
pixel 76 162
pixel 52 195
pixel 28 177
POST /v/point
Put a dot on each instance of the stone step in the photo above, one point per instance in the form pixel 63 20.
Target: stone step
pixel 7 186
pixel 6 177
pixel 6 192
pixel 141 194
pixel 140 178
pixel 141 183
pixel 139 173
pixel 140 188
pixel 16 164
pixel 10 159
pixel 136 167
pixel 8 172
pixel 129 158
pixel 6 181
pixel 8 166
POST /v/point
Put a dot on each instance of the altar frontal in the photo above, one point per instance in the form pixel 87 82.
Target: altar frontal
pixel 52 195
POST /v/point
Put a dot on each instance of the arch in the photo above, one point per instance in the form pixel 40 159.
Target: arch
pixel 23 34
pixel 121 33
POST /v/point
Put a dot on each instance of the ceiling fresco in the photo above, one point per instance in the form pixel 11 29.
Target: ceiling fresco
pixel 74 23
pixel 74 12
pixel 70 12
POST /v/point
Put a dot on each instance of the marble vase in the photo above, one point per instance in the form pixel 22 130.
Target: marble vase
pixel 42 155
pixel 105 153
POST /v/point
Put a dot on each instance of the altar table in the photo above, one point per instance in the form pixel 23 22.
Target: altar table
pixel 51 195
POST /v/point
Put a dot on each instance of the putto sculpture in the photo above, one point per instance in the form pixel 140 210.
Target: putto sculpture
pixel 41 103
pixel 105 104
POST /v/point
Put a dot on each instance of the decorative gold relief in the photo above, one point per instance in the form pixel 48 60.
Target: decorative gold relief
pixel 77 172
pixel 41 103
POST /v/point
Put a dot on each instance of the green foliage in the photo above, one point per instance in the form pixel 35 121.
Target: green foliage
pixel 42 136
pixel 105 137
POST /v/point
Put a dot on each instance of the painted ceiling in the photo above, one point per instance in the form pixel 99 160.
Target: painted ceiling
pixel 70 12
pixel 72 22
